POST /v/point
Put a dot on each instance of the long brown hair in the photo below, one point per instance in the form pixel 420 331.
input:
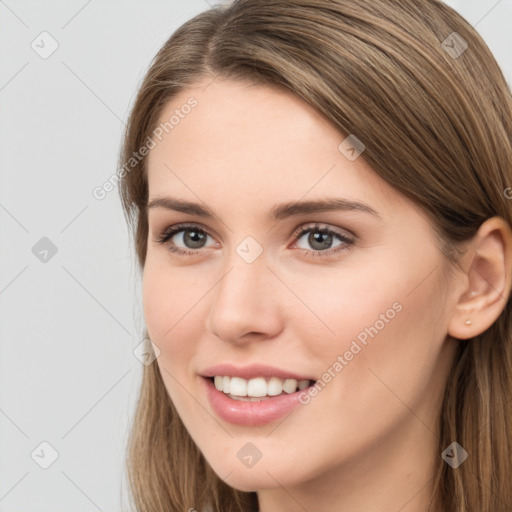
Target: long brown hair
pixel 417 84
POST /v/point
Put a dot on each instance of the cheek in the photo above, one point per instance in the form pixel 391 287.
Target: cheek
pixel 162 312
pixel 383 317
pixel 162 303
pixel 173 311
pixel 339 307
pixel 167 294
pixel 155 299
pixel 391 337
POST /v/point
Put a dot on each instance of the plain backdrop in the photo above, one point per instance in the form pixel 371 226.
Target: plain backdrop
pixel 70 304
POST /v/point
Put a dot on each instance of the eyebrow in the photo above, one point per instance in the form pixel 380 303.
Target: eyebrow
pixel 278 212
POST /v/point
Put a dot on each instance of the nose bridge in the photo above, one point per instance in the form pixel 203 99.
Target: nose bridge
pixel 243 283
pixel 245 299
pixel 246 271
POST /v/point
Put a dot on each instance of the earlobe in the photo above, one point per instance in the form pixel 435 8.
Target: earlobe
pixel 488 280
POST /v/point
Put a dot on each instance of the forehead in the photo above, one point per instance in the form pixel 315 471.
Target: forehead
pixel 245 122
pixel 256 145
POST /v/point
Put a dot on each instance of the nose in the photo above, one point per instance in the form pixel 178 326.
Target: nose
pixel 246 303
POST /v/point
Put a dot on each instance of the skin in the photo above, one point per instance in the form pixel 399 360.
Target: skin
pixel 368 441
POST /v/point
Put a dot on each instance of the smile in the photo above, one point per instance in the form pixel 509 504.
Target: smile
pixel 259 388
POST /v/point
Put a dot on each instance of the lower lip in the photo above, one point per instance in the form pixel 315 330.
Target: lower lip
pixel 247 413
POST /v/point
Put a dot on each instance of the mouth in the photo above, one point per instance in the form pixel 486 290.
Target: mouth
pixel 258 388
pixel 233 399
pixel 254 394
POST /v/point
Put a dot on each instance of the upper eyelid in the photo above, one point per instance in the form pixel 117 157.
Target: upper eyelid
pixel 182 226
pixel 319 227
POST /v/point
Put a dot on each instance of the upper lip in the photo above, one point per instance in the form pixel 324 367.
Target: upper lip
pixel 251 371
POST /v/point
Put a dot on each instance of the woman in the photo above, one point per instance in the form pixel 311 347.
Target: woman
pixel 318 191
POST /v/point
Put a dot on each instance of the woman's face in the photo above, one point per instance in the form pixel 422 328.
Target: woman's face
pixel 352 296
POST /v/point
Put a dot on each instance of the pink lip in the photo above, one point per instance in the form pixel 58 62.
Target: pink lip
pixel 246 413
pixel 251 371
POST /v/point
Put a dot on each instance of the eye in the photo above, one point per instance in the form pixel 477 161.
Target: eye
pixel 321 240
pixel 194 238
pixel 191 235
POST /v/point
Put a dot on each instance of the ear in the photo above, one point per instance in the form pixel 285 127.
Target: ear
pixel 489 264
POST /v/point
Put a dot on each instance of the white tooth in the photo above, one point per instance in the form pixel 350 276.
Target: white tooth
pixel 238 386
pixel 290 385
pixel 303 384
pixel 257 387
pixel 274 386
pixel 218 382
pixel 226 384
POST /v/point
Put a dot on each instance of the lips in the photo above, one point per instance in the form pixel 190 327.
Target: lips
pixel 251 412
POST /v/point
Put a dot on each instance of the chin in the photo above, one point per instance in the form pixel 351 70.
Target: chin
pixel 249 481
pixel 265 474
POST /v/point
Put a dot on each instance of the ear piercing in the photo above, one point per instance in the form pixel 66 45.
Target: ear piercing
pixel 472 293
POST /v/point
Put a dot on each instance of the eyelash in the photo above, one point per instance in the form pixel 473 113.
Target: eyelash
pixel 169 232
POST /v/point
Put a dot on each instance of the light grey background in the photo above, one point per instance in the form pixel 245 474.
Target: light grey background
pixel 68 325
